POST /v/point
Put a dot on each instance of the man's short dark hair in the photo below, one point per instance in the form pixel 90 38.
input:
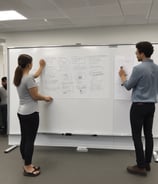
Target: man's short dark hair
pixel 145 47
pixel 4 79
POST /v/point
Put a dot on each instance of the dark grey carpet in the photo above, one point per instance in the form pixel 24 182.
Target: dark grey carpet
pixel 66 166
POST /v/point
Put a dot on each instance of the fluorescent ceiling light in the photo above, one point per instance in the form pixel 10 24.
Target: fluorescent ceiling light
pixel 11 15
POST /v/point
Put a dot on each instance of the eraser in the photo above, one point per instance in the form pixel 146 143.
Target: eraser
pixel 82 149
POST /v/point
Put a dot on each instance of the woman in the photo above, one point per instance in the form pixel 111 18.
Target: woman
pixel 28 109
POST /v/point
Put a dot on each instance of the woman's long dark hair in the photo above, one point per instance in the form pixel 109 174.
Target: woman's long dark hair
pixel 23 61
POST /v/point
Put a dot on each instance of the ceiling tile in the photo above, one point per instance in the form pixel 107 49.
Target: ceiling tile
pixel 39 5
pixel 98 21
pixel 138 8
pixel 101 2
pixel 135 1
pixel 154 10
pixel 70 3
pixel 134 19
pixel 10 4
pixel 94 11
pixel 60 22
pixel 43 14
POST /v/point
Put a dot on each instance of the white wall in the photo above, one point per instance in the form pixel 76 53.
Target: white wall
pixel 1 61
pixel 101 35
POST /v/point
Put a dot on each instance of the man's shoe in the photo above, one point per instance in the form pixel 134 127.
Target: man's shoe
pixel 136 170
pixel 147 167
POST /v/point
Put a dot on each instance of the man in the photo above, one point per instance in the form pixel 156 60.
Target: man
pixel 144 84
pixel 3 105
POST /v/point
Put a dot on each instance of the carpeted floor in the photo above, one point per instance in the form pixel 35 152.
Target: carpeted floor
pixel 67 166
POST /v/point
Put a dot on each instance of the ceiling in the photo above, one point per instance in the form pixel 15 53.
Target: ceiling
pixel 60 14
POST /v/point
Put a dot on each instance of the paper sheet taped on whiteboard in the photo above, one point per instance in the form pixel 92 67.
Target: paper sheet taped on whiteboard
pixel 126 58
pixel 76 76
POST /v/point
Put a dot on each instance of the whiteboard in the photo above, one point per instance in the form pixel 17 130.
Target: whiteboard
pixel 78 79
pixel 84 82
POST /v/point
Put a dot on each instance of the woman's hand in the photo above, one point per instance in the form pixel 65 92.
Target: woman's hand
pixel 48 98
pixel 42 63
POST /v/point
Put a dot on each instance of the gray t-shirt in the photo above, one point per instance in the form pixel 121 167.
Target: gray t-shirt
pixel 27 104
pixel 3 96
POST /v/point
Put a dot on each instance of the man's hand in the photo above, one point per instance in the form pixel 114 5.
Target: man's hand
pixel 122 74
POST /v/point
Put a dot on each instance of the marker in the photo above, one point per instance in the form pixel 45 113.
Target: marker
pixel 68 134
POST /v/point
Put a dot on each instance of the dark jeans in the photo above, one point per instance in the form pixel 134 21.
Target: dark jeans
pixel 29 126
pixel 141 117
pixel 3 118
